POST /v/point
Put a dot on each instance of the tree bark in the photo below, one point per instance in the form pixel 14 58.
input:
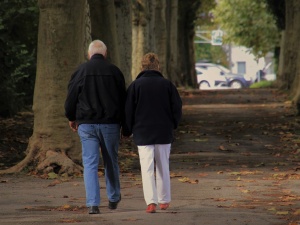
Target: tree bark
pixel 172 42
pixel 291 70
pixel 111 23
pixel 142 30
pixel 124 37
pixel 103 22
pixel 160 34
pixel 186 25
pixel 62 43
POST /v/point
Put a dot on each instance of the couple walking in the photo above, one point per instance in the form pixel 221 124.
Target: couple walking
pixel 98 106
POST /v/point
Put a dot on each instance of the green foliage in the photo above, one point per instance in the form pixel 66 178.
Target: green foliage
pixel 263 84
pixel 206 51
pixel 18 42
pixel 210 53
pixel 247 23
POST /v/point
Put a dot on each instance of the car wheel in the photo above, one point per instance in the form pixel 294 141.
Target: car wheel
pixel 204 85
pixel 236 84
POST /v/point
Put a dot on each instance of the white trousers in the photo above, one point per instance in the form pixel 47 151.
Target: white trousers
pixel 156 183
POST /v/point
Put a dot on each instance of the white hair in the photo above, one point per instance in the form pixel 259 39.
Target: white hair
pixel 97 47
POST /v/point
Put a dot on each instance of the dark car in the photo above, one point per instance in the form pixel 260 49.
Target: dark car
pixel 233 80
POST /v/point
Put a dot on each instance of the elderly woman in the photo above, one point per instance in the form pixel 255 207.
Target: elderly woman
pixel 153 110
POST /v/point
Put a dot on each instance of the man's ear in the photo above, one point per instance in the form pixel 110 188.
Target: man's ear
pixel 105 54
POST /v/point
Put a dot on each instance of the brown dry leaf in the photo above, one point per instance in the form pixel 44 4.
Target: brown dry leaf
pixel 222 148
pixel 282 213
pixel 188 180
pixel 245 191
pixel 54 183
pixel 175 175
pixel 221 200
pixel 70 221
pixel 66 207
pixel 202 174
pixel 272 209
pixel 184 179
pixel 297 212
pixel 200 140
pixel 194 182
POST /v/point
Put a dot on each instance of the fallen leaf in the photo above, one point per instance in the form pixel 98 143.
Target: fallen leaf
pixel 222 148
pixel 184 179
pixel 297 212
pixel 52 175
pixel 202 174
pixel 282 213
pixel 200 140
pixel 175 175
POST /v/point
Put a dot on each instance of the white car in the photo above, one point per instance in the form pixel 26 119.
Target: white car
pixel 208 80
pixel 219 73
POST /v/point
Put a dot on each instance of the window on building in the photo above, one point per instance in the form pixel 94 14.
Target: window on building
pixel 241 67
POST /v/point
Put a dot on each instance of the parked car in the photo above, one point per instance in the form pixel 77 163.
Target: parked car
pixel 208 80
pixel 220 72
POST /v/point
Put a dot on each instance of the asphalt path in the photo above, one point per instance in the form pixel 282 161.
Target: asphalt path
pixel 233 162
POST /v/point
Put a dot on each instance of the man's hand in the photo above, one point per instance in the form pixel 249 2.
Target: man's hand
pixel 73 125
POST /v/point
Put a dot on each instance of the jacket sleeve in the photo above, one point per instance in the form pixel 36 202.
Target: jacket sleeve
pixel 72 96
pixel 176 105
pixel 122 96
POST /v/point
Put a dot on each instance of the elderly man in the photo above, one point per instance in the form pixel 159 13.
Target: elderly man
pixel 94 107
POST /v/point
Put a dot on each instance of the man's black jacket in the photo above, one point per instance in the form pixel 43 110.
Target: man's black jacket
pixel 96 93
pixel 153 109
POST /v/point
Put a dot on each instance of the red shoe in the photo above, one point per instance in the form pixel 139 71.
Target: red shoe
pixel 164 206
pixel 151 208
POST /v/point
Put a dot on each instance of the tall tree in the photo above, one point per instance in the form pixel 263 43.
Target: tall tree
pixel 111 23
pixel 187 15
pixel 247 23
pixel 124 35
pixel 62 43
pixel 172 42
pixel 142 39
pixel 291 59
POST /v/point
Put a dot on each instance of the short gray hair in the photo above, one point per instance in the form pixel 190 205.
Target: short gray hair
pixel 97 47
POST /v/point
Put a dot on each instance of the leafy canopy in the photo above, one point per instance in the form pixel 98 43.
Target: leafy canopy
pixel 247 23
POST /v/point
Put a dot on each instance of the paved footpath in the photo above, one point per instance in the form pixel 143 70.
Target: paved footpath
pixel 234 162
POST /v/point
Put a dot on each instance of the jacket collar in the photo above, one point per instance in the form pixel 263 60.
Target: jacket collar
pixel 97 56
pixel 149 73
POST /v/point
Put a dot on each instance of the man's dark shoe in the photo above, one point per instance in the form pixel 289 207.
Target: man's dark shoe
pixel 94 210
pixel 113 205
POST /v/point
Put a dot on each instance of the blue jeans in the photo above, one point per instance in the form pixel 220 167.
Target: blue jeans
pixel 93 137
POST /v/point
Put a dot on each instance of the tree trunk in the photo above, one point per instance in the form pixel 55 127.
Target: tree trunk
pixel 187 15
pixel 142 30
pixel 291 70
pixel 62 44
pixel 124 37
pixel 280 79
pixel 172 42
pixel 160 33
pixel 103 21
pixel 111 23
